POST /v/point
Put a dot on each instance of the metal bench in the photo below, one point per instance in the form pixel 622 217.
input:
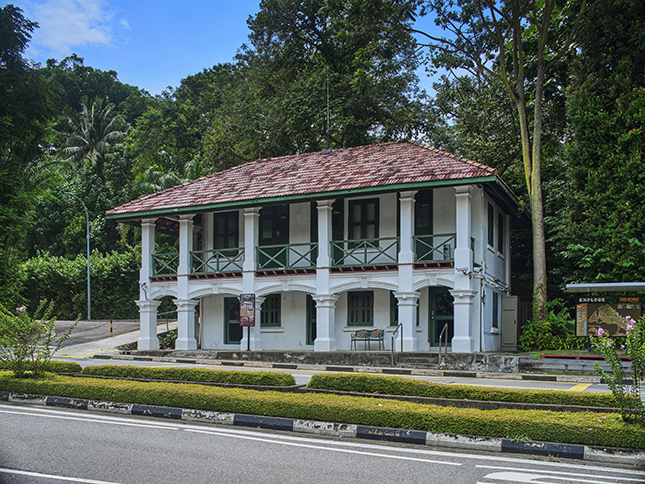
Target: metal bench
pixel 368 335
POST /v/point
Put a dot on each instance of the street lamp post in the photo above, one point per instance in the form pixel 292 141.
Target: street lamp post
pixel 89 294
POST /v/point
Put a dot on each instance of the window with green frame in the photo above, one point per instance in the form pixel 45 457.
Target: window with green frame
pixel 491 225
pixel 270 311
pixel 225 230
pixel 360 308
pixel 495 323
pixel 363 219
pixel 394 311
pixel 500 233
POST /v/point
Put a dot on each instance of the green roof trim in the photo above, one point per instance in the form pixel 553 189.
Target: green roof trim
pixel 312 196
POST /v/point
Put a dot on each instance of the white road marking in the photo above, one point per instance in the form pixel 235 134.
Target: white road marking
pixel 49 476
pixel 568 474
pixel 322 447
pixel 533 478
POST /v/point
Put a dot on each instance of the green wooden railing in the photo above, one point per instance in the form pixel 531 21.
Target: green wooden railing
pixel 289 256
pixel 165 264
pixel 364 252
pixel 209 261
pixel 434 247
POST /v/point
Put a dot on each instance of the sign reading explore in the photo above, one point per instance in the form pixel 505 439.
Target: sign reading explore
pixel 608 313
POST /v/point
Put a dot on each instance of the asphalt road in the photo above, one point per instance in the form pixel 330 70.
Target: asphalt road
pixel 52 446
pixel 86 331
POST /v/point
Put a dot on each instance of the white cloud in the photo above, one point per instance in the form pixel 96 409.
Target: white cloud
pixel 66 24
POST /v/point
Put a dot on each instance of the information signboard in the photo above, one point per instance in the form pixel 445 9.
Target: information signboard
pixel 247 310
pixel 608 313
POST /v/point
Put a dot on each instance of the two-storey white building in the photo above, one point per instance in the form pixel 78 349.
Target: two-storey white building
pixel 330 243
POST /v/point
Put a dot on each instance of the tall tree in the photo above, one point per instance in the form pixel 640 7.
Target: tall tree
pixel 602 228
pixel 308 55
pixel 24 110
pixel 518 44
pixel 94 132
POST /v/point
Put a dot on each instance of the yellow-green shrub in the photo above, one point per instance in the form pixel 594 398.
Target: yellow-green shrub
pixel 265 378
pixel 392 385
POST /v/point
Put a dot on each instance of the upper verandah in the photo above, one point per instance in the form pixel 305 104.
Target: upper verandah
pixel 391 166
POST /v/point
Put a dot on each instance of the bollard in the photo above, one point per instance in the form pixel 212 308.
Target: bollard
pixel 111 328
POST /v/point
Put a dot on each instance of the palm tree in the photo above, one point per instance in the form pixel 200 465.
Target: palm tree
pixel 94 133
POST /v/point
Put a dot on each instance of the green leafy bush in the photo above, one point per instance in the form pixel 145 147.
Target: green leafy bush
pixel 114 284
pixel 629 397
pixel 575 428
pixel 266 378
pixel 52 366
pixel 556 332
pixel 392 385
pixel 27 344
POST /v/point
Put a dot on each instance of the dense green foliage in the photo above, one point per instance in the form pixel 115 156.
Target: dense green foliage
pixel 267 378
pixel 392 385
pixel 52 366
pixel 28 343
pixel 565 427
pixel 114 284
pixel 555 332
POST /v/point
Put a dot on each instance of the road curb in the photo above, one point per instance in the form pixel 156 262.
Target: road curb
pixel 363 369
pixel 545 449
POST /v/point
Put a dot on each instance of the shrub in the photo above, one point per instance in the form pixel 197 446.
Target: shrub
pixel 27 344
pixel 266 378
pixel 53 366
pixel 575 428
pixel 556 332
pixel 629 398
pixel 392 385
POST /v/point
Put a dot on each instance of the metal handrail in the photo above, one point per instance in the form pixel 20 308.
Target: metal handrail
pixel 443 330
pixel 400 326
pixel 361 252
pixel 293 257
pixel 216 260
pixel 428 249
pixel 165 264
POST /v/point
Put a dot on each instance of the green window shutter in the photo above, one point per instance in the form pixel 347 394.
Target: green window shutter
pixel 491 225
pixel 270 311
pixel 500 233
pixel 360 308
pixel 225 230
pixel 363 219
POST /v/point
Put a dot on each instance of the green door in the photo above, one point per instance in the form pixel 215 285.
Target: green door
pixel 232 328
pixel 274 230
pixel 423 225
pixel 442 313
pixel 338 229
pixel 311 320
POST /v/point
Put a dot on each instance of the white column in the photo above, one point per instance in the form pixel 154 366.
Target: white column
pixel 148 322
pixel 254 331
pixel 325 322
pixel 324 233
pixel 251 233
pixel 408 319
pixel 147 251
pixel 406 203
pixel 185 244
pixel 406 296
pixel 462 342
pixel 185 324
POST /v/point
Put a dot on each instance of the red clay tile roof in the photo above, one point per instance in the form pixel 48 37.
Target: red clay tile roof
pixel 341 170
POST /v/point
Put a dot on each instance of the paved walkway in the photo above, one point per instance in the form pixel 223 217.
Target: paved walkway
pixel 107 346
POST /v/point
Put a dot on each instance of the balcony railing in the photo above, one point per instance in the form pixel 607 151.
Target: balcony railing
pixel 365 252
pixel 434 247
pixel 165 264
pixel 211 261
pixel 289 256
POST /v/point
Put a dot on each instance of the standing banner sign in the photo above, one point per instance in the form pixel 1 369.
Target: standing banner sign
pixel 247 315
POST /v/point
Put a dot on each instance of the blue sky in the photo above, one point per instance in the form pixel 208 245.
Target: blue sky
pixel 151 44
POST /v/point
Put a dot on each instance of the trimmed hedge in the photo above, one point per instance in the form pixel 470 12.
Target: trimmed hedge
pixel 575 428
pixel 392 385
pixel 54 366
pixel 266 378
